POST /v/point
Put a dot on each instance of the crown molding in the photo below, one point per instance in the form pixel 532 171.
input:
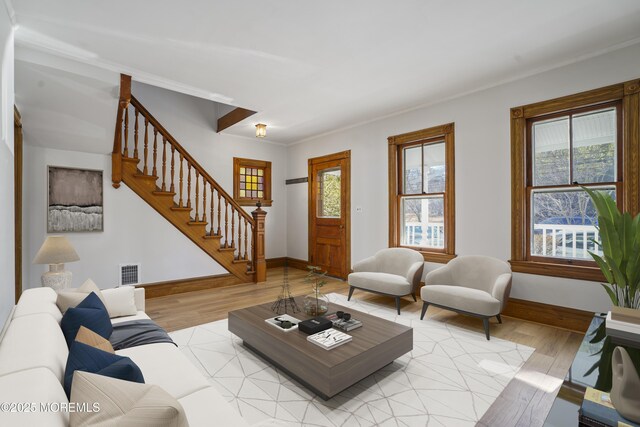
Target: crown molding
pixel 500 82
pixel 29 39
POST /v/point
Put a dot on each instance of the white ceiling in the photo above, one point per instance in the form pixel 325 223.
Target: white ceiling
pixel 65 110
pixel 311 67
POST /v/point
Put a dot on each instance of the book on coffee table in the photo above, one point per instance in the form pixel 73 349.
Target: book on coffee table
pixel 343 325
pixel 597 410
pixel 329 338
pixel 284 322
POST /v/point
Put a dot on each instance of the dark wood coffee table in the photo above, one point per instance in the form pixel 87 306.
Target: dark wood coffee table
pixel 325 372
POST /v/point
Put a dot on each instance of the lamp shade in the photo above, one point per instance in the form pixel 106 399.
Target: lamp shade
pixel 56 250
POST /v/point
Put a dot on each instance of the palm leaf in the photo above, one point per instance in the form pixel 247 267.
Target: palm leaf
pixel 603 266
pixel 610 239
pixel 633 270
pixel 620 279
pixel 604 367
pixel 597 200
pixel 636 227
pixel 612 295
pixel 599 334
pixel 592 368
pixel 624 228
pixel 620 244
pixel 612 208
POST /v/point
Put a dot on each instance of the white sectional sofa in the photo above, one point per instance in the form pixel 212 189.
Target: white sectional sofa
pixel 33 357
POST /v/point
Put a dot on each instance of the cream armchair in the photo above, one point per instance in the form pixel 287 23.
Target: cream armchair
pixel 474 285
pixel 394 271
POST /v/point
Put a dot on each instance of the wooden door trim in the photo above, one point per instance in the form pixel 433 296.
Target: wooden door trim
pixel 346 200
pixel 329 157
pixel 17 170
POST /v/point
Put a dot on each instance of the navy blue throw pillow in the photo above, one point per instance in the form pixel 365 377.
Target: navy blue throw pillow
pixel 90 313
pixel 85 358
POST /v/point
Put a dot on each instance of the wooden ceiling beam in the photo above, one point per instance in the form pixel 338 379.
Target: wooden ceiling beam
pixel 233 117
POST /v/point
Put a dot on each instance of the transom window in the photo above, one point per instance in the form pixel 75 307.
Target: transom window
pixel 421 205
pixel 568 151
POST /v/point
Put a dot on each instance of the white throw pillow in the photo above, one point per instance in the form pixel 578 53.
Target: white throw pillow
pixel 120 301
pixel 122 403
pixel 68 298
pixel 30 389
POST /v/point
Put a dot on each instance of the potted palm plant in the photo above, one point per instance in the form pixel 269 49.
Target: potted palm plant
pixel 619 241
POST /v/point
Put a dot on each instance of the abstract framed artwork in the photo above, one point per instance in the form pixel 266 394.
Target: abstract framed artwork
pixel 75 202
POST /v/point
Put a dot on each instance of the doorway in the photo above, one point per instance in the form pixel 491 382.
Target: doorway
pixel 329 213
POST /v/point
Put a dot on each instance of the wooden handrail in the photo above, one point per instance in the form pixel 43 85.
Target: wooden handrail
pixel 231 245
pixel 203 173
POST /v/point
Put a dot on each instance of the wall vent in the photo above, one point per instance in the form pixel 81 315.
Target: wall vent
pixel 129 274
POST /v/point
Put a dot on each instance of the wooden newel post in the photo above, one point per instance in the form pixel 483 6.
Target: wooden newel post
pixel 116 155
pixel 259 245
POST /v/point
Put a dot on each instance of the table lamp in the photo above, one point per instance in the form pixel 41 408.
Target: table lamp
pixel 55 251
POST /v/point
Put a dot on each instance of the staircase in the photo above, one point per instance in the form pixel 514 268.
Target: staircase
pixel 157 168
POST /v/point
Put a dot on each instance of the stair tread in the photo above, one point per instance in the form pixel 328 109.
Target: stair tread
pixel 240 261
pixel 178 208
pixel 229 249
pixel 142 176
pixel 212 236
pixel 197 223
pixel 164 193
pixel 130 159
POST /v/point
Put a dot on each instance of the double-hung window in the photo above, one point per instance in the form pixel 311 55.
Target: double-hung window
pixel 558 147
pixel 421 205
pixel 571 150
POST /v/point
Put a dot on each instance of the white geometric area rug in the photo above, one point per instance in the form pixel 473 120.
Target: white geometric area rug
pixel 450 378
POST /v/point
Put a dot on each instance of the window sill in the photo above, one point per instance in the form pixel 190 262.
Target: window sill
pixel 579 272
pixel 432 256
pixel 438 257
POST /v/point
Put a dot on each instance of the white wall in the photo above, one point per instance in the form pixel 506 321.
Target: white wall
pixel 7 235
pixel 192 121
pixel 133 231
pixel 482 140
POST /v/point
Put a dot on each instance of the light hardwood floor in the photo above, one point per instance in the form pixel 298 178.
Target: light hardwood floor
pixel 527 399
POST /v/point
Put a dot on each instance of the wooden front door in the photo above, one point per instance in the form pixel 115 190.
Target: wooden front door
pixel 329 213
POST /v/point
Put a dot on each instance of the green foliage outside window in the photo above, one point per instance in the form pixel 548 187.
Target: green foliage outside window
pixel 330 194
